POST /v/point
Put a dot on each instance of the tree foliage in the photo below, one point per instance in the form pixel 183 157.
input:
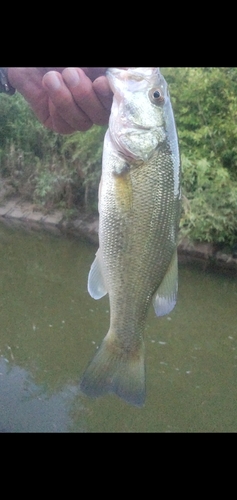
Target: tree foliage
pixel 205 108
pixel 211 211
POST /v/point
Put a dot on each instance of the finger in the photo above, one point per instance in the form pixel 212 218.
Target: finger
pixel 102 89
pixel 56 122
pixel 84 95
pixel 64 103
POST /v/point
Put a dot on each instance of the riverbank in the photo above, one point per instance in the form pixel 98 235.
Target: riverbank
pixel 15 212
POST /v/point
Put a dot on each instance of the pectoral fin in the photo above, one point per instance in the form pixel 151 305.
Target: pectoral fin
pixel 164 299
pixel 96 283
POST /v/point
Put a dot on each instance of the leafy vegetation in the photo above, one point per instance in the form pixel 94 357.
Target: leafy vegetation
pixel 63 171
pixel 205 107
pixel 211 211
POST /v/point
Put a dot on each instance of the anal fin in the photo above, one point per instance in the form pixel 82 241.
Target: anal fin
pixel 164 299
pixel 96 283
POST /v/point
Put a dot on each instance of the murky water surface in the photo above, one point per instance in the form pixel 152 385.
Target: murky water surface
pixel 50 328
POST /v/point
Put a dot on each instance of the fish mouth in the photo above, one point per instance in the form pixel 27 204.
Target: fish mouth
pixel 140 127
pixel 133 127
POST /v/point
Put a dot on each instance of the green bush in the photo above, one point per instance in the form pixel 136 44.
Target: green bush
pixel 48 168
pixel 211 211
pixel 205 107
pixel 84 151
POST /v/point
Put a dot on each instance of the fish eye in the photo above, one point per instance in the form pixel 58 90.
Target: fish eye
pixel 156 96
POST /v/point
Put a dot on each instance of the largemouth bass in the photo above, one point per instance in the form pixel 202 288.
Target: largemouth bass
pixel 139 210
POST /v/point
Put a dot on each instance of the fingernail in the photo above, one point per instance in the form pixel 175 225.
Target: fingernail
pixel 71 77
pixel 52 81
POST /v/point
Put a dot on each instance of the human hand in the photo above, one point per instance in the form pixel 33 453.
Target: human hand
pixel 65 99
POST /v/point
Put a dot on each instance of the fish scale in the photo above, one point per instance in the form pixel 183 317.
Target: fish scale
pixel 139 209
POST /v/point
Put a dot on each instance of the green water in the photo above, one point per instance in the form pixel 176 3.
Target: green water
pixel 50 328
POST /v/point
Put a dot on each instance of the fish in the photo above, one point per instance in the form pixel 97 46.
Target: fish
pixel 139 213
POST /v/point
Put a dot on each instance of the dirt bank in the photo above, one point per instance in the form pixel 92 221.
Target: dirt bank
pixel 15 212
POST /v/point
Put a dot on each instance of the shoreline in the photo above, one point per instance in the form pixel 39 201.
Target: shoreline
pixel 16 213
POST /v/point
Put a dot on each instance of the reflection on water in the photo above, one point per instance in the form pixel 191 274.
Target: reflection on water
pixel 26 407
pixel 50 328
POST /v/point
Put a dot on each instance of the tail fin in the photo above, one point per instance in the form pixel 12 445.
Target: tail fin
pixel 113 369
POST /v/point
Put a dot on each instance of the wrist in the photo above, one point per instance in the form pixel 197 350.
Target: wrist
pixel 5 86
